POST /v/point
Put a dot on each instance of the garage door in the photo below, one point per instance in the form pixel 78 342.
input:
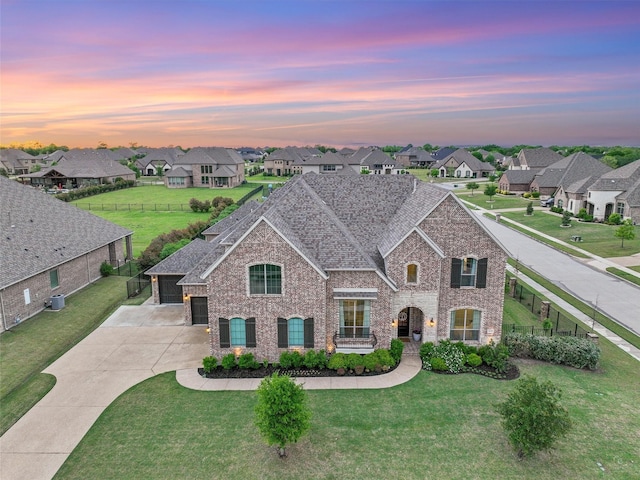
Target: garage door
pixel 199 311
pixel 170 292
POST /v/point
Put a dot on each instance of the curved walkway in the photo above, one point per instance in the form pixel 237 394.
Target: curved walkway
pixel 409 367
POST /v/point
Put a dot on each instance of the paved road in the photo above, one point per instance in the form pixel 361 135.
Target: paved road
pixel 616 298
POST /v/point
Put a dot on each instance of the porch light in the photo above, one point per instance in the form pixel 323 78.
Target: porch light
pixel 432 322
pixel 154 279
pixel 185 297
pixel 237 351
pixel 208 330
pixel 394 323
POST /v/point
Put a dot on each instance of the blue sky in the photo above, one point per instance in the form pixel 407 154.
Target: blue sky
pixel 263 73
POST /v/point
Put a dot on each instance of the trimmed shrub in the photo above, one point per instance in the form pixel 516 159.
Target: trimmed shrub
pixel 426 350
pixel 614 219
pixel 573 351
pixel 370 361
pixel 228 361
pixel 310 359
pixel 495 356
pixel 397 347
pixel 247 361
pixel 321 359
pixel 337 360
pixel 209 364
pixel 385 358
pixel 353 360
pixel 291 360
pixel 438 364
pixel 474 360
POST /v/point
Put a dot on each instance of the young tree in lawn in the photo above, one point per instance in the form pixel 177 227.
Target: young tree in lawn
pixel 434 172
pixel 626 231
pixel 472 186
pixel 490 190
pixel 530 208
pixel 282 414
pixel 533 417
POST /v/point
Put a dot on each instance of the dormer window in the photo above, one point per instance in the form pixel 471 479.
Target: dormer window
pixel 412 273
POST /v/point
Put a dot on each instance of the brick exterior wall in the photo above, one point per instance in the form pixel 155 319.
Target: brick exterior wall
pixel 464 237
pixel 303 293
pixel 72 276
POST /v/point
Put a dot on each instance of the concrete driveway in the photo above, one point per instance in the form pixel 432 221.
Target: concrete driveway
pixel 135 343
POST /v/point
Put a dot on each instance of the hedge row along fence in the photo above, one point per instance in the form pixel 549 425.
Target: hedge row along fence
pixel 85 192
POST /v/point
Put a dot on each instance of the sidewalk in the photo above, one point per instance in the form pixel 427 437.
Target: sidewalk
pixel 409 367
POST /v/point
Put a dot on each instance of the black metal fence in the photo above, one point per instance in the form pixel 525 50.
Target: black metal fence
pixel 134 207
pixel 137 284
pixel 128 269
pixel 560 323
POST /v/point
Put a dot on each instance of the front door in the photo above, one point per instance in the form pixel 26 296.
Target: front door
pixel 403 323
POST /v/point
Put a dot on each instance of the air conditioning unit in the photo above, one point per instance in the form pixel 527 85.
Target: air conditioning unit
pixel 57 302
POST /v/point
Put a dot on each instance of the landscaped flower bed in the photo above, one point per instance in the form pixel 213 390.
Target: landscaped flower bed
pixel 311 364
pixel 452 358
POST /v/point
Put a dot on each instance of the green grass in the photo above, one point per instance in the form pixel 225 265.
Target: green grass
pixel 629 278
pixel 603 320
pixel 497 201
pixel 148 224
pixel 516 313
pixel 597 238
pixel 434 426
pixel 30 347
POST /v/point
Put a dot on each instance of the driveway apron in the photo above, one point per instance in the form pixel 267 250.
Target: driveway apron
pixel 135 343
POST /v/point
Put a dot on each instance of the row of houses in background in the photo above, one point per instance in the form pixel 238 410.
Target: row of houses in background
pixel 577 181
pixel 449 162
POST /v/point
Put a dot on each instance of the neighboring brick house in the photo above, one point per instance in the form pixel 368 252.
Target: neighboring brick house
pixel 341 263
pixel 49 247
pixel 415 157
pixel 289 160
pixel 516 181
pixel 462 164
pixel 211 167
pixel 617 191
pixel 81 168
pixel 16 162
pixel 567 180
pixel 534 159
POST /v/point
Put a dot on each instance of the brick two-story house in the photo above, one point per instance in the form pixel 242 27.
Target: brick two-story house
pixel 341 263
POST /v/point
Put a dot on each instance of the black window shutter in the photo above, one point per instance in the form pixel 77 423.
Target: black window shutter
pixel 308 332
pixel 250 332
pixel 481 277
pixel 456 271
pixel 283 333
pixel 225 340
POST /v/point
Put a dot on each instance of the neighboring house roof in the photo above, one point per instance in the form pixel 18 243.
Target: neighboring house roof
pixel 377 157
pixel 442 153
pixel 416 154
pixel 159 156
pixel 126 152
pixel 579 170
pixel 40 232
pixel 179 172
pixel 10 159
pixel 329 158
pixel 90 167
pixel 335 222
pixel 461 156
pixel 210 156
pixel 536 158
pixel 622 178
pixel 518 177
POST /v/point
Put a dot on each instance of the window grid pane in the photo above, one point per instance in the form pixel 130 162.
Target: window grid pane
pixel 465 325
pixel 265 279
pixel 238 332
pixel 468 276
pixel 296 332
pixel 412 273
pixel 53 277
pixel 354 318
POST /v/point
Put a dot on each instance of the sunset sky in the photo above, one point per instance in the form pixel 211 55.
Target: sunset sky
pixel 341 73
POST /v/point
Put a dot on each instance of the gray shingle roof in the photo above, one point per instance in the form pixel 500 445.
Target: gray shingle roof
pixel 538 157
pixel 39 232
pixel 337 222
pixel 183 260
pixel 621 178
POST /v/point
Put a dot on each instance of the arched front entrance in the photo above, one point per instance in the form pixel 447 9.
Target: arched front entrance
pixel 409 319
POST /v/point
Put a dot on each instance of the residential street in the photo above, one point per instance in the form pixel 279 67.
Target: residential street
pixel 616 298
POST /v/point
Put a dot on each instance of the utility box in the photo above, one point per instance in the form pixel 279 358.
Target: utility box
pixel 57 302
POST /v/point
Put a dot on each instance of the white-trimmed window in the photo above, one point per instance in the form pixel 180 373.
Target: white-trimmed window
pixel 469 272
pixel 354 318
pixel 265 279
pixel 465 324
pixel 237 332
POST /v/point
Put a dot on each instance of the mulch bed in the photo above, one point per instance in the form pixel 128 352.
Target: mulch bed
pixel 511 374
pixel 262 372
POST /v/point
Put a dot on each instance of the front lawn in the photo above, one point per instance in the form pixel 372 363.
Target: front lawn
pixel 434 426
pixel 597 238
pixel 497 201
